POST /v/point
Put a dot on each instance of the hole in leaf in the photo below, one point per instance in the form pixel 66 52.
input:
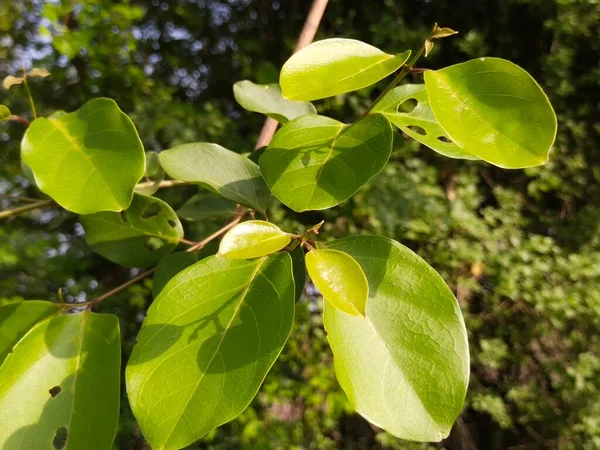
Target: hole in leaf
pixel 408 105
pixel 172 223
pixel 123 215
pixel 417 130
pixel 444 139
pixel 60 438
pixel 153 243
pixel 152 210
pixel 55 391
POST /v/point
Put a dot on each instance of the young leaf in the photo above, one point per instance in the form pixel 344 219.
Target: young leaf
pixel 419 123
pixel 16 319
pixel 207 343
pixel 35 72
pixel 340 279
pixel 206 205
pixel 87 161
pixel 154 175
pixel 228 173
pixel 11 81
pixel 494 110
pixel 62 381
pixel 140 236
pixel 267 99
pixel 335 66
pixel 4 113
pixel 406 367
pixel 315 162
pixel 252 239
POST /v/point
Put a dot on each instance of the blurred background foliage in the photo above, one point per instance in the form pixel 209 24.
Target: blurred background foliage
pixel 519 248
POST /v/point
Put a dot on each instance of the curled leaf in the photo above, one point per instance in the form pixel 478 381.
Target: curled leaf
pixel 252 239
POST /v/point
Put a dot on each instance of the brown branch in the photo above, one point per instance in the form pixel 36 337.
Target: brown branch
pixel 306 37
pixel 162 184
pixel 26 208
pixel 116 290
pixel 19 119
pixel 216 234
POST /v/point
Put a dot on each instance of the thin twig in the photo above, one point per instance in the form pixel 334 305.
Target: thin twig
pixel 162 184
pixel 31 104
pixel 18 198
pixel 26 208
pixel 216 234
pixel 311 25
pixel 116 290
pixel 19 119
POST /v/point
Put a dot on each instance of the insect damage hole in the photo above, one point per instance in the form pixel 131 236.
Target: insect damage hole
pixel 152 210
pixel 418 130
pixel 60 438
pixel 444 139
pixel 152 243
pixel 55 391
pixel 123 216
pixel 172 223
pixel 407 106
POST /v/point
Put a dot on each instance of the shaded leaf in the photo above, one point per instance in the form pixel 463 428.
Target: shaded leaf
pixel 299 269
pixel 62 378
pixel 207 343
pixel 87 161
pixel 493 109
pixel 4 113
pixel 267 99
pixel 252 239
pixel 154 175
pixel 335 66
pixel 140 236
pixel 405 367
pixel 228 173
pixel 315 162
pixel 206 205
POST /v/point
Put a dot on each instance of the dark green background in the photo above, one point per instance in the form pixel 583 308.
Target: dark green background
pixel 519 248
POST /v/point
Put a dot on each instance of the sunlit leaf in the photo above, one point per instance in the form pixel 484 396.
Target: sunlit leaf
pixel 267 99
pixel 35 72
pixel 494 110
pixel 315 162
pixel 418 122
pixel 141 235
pixel 11 81
pixel 252 239
pixel 335 66
pixel 4 113
pixel 62 381
pixel 207 343
pixel 228 173
pixel 87 161
pixel 405 367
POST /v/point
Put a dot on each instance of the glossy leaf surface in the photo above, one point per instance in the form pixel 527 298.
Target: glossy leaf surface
pixel 405 367
pixel 315 162
pixel 420 122
pixel 340 279
pixel 62 378
pixel 16 319
pixel 267 99
pixel 207 343
pixel 252 239
pixel 140 236
pixel 335 66
pixel 87 161
pixel 206 205
pixel 231 175
pixel 493 109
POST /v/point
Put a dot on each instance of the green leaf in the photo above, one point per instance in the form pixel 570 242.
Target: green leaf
pixel 299 269
pixel 252 239
pixel 494 110
pixel 87 161
pixel 154 175
pixel 16 319
pixel 207 344
pixel 267 99
pixel 62 380
pixel 140 236
pixel 405 367
pixel 11 81
pixel 4 113
pixel 170 266
pixel 315 162
pixel 419 123
pixel 335 66
pixel 35 72
pixel 340 279
pixel 228 173
pixel 205 206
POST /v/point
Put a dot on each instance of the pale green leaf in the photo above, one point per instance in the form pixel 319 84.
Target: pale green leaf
pixel 335 66
pixel 16 319
pixel 405 367
pixel 87 161
pixel 35 72
pixel 315 162
pixel 206 205
pixel 207 343
pixel 340 279
pixel 4 113
pixel 419 123
pixel 141 235
pixel 493 109
pixel 252 239
pixel 267 99
pixel 62 378
pixel 11 81
pixel 230 174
